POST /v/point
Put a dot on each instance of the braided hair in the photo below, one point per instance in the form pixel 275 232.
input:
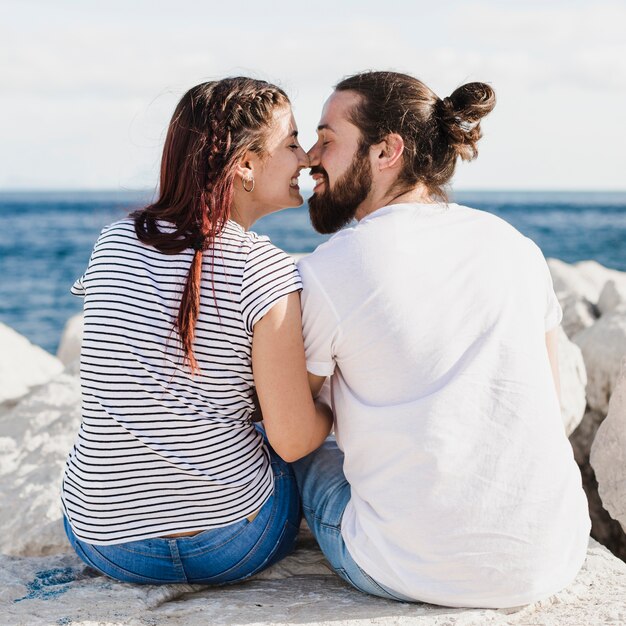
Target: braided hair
pixel 213 126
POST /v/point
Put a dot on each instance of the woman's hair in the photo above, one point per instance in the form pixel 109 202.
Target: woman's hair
pixel 435 132
pixel 213 126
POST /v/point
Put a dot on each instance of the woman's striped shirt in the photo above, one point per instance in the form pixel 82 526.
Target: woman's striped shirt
pixel 161 451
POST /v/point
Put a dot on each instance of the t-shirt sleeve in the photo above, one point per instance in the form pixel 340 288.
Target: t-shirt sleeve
pixel 268 275
pixel 320 323
pixel 553 311
pixel 78 288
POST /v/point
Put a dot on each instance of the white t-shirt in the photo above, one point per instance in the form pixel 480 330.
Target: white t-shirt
pixel 431 320
pixel 159 450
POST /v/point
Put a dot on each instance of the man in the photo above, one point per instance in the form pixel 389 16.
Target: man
pixel 451 480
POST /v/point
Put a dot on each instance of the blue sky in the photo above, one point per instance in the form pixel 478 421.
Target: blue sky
pixel 87 88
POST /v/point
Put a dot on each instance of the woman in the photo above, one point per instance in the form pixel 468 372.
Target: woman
pixel 185 313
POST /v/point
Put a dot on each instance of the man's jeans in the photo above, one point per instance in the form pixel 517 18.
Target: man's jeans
pixel 325 492
pixel 214 556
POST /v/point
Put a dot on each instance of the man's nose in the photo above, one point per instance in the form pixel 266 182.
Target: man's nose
pixel 314 156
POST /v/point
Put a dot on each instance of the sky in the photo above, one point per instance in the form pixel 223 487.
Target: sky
pixel 87 87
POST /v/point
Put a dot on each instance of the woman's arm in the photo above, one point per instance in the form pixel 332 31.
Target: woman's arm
pixel 316 383
pixel 295 425
pixel 552 344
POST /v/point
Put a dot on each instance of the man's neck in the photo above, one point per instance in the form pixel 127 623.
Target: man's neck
pixel 374 201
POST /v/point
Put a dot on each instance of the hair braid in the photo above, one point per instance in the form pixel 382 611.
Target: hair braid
pixel 213 126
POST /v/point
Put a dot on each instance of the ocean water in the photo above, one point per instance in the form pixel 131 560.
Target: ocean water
pixel 46 239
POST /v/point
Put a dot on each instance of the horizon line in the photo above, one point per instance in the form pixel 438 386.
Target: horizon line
pixel 147 190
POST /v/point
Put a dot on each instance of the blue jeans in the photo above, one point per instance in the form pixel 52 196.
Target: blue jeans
pixel 325 492
pixel 215 556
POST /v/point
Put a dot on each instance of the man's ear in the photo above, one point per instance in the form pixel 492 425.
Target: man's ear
pixel 389 151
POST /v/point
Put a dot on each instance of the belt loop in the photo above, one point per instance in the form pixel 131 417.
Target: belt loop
pixel 176 560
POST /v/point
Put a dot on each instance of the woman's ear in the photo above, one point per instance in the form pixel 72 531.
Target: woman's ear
pixel 389 151
pixel 245 167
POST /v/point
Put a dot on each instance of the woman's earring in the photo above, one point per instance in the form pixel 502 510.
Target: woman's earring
pixel 247 180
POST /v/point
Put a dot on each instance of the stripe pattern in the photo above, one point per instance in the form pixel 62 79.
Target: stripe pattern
pixel 160 451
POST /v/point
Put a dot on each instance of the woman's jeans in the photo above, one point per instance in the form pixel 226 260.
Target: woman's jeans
pixel 213 557
pixel 325 492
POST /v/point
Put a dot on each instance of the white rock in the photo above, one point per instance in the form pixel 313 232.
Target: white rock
pixel 608 453
pixel 36 436
pixel 23 365
pixel 69 347
pixel 613 296
pixel 567 279
pixel 598 275
pixel 603 346
pixel 61 590
pixel 585 279
pixel 603 527
pixel 573 379
pixel 578 313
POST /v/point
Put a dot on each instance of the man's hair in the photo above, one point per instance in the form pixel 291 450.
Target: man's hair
pixel 435 131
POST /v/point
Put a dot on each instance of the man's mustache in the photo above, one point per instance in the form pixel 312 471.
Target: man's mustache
pixel 316 169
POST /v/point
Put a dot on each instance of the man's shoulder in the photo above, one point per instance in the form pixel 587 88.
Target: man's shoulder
pixel 337 249
pixel 488 220
pixel 330 266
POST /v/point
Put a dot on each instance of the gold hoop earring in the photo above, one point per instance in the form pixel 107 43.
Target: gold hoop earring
pixel 244 181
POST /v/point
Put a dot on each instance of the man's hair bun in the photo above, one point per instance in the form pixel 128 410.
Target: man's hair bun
pixel 460 115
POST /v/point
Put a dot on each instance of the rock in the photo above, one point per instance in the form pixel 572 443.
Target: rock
pixel 567 279
pixel 586 279
pixel 603 346
pixel 577 294
pixel 61 590
pixel 608 453
pixel 573 378
pixel 578 313
pixel 613 296
pixel 22 365
pixel 603 527
pixel 71 340
pixel 36 436
pixel 582 438
pixel 597 275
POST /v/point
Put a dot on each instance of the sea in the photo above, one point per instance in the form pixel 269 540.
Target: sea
pixel 46 240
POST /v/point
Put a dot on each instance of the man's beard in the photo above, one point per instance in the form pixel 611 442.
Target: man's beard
pixel 334 208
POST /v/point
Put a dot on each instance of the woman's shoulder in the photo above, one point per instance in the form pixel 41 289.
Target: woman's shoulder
pixel 121 226
pixel 122 230
pixel 253 244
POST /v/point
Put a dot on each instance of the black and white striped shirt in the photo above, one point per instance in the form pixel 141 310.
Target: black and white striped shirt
pixel 161 451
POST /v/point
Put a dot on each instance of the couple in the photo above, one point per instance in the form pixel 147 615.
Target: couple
pixel 450 481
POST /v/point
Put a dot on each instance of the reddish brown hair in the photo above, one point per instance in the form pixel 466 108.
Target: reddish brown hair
pixel 213 126
pixel 435 131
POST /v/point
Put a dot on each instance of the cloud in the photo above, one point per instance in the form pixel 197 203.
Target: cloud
pixel 541 25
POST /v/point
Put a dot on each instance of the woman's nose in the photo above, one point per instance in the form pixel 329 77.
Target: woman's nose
pixel 303 160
